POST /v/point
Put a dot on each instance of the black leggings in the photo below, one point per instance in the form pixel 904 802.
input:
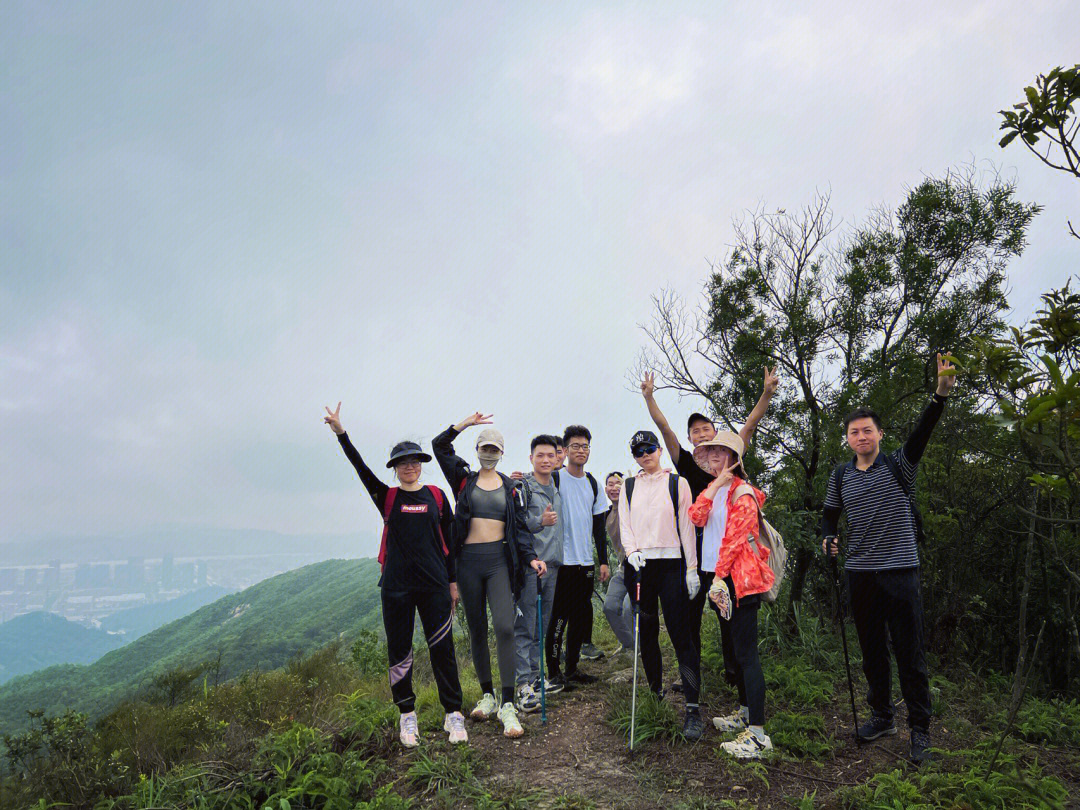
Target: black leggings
pixel 665 580
pixel 741 647
pixel 484 581
pixel 697 610
pixel 571 615
pixel 399 609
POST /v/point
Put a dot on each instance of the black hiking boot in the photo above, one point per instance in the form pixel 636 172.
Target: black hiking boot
pixel 920 747
pixel 875 727
pixel 555 684
pixel 677 688
pixel 590 652
pixel 693 727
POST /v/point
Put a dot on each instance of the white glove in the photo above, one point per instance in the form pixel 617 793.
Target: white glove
pixel 635 559
pixel 693 584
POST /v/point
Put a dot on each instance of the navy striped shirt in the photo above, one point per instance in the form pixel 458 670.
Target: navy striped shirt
pixel 881 525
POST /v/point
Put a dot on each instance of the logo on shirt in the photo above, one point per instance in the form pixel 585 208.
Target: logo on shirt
pixel 418 509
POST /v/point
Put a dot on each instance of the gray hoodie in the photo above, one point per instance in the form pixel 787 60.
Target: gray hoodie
pixel 547 540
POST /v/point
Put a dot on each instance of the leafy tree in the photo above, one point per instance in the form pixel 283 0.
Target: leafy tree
pixel 1046 122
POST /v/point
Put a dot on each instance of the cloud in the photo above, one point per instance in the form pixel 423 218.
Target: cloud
pixel 613 73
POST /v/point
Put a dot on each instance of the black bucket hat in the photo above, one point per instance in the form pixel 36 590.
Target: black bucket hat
pixel 406 450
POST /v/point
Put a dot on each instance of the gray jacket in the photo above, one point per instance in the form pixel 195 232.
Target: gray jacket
pixel 547 540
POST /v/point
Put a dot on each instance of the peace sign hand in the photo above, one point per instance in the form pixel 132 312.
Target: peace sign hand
pixel 333 419
pixel 772 382
pixel 648 385
pixel 478 418
pixel 946 376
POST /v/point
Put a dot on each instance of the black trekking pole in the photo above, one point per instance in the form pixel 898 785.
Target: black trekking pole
pixel 540 637
pixel 843 636
pixel 637 632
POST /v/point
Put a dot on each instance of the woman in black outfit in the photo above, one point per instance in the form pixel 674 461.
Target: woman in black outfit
pixel 418 575
pixel 493 547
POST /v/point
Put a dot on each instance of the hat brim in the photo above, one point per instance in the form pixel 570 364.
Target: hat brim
pixel 490 444
pixel 702 450
pixel 424 457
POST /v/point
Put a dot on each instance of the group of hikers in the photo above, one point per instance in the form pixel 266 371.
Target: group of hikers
pixel 512 546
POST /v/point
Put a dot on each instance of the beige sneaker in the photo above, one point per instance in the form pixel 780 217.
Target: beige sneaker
pixel 511 724
pixel 408 733
pixel 748 745
pixel 485 708
pixel 455 725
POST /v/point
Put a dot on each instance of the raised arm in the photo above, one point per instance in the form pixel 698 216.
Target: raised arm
pixel 661 422
pixel 768 390
pixel 453 466
pixel 916 443
pixel 376 488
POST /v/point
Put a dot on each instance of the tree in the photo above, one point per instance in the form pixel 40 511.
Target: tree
pixel 1048 113
pixel 849 321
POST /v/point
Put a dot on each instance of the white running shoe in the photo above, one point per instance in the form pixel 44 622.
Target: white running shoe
pixel 511 724
pixel 748 745
pixel 731 722
pixel 455 724
pixel 527 699
pixel 409 734
pixel 485 708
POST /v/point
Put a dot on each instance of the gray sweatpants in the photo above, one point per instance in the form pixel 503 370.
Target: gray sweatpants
pixel 528 645
pixel 484 582
pixel 619 611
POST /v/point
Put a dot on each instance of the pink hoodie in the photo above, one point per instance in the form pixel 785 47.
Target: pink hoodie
pixel 649 520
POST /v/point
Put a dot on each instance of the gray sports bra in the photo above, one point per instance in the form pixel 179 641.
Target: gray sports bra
pixel 490 504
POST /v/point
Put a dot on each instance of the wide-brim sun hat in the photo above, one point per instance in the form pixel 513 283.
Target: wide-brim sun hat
pixel 403 450
pixel 724 438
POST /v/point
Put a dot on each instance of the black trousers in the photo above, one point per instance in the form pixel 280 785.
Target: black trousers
pixel 399 609
pixel 741 648
pixel 888 604
pixel 697 610
pixel 571 615
pixel 665 581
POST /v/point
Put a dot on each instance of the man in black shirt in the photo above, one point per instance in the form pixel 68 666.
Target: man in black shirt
pixel 701 429
pixel 882 565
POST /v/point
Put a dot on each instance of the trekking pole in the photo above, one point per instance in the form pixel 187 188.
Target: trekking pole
pixel 843 637
pixel 540 637
pixel 637 621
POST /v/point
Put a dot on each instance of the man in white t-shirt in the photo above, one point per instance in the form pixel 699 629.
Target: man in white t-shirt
pixel 584 506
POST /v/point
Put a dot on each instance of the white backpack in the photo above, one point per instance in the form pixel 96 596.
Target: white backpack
pixel 771 539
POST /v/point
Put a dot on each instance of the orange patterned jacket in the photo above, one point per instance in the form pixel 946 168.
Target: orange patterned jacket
pixel 749 572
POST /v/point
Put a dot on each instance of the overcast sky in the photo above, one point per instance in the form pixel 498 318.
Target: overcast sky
pixel 217 218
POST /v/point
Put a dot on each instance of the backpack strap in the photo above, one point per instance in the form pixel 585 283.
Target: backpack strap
pixel 437 494
pixel 628 490
pixel 673 491
pixel 894 468
pixel 746 489
pixel 555 478
pixel 838 477
pixel 595 486
pixel 388 507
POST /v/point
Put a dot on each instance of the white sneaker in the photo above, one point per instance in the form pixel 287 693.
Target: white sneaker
pixel 527 699
pixel 485 708
pixel 731 722
pixel 748 745
pixel 408 733
pixel 455 724
pixel 511 725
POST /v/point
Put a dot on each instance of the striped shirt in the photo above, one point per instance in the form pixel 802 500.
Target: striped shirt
pixel 881 525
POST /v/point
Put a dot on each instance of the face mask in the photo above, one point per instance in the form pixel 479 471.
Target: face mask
pixel 488 457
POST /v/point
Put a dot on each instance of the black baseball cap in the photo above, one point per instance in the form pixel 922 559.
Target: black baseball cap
pixel 698 417
pixel 406 450
pixel 643 437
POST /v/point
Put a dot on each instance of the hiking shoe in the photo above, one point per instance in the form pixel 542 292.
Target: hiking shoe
pixel 748 745
pixel 485 708
pixel 875 727
pixel 693 727
pixel 677 688
pixel 590 652
pixel 920 747
pixel 527 699
pixel 556 683
pixel 511 724
pixel 408 733
pixel 734 722
pixel 455 724
pixel 577 676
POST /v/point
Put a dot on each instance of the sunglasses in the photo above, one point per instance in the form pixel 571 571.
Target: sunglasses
pixel 644 450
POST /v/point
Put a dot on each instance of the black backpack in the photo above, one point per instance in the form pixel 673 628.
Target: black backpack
pixel 589 475
pixel 894 468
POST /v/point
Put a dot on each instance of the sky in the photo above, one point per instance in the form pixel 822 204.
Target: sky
pixel 216 218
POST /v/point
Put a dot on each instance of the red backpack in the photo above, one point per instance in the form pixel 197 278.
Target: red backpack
pixel 391 494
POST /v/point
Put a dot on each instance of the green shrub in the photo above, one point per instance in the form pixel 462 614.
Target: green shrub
pixel 656 719
pixel 801 735
pixel 796 683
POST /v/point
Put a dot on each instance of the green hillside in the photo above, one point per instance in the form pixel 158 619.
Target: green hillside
pixel 138 621
pixel 261 627
pixel 37 640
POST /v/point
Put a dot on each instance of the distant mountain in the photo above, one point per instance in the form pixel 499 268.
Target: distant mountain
pixel 261 627
pixel 37 640
pixel 181 541
pixel 138 621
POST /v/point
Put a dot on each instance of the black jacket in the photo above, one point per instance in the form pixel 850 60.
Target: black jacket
pixel 517 542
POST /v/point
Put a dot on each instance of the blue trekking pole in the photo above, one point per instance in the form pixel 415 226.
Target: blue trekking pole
pixel 540 638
